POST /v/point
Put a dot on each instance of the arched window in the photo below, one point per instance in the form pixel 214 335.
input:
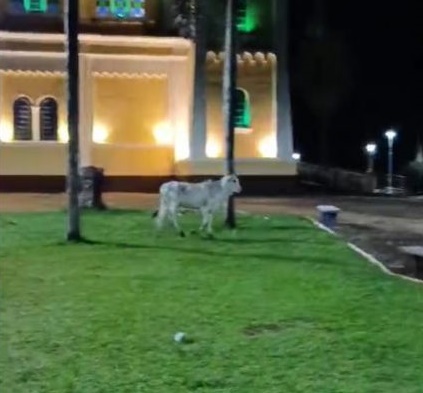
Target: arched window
pixel 48 119
pixel 121 9
pixel 242 109
pixel 22 119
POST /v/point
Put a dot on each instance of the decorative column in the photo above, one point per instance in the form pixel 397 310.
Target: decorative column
pixel 179 107
pixel 35 120
pixel 85 110
pixel 2 109
pixel 198 135
pixel 283 116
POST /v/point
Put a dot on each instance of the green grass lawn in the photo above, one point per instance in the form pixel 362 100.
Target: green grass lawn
pixel 277 306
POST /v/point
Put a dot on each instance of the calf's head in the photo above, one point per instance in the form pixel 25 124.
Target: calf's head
pixel 231 184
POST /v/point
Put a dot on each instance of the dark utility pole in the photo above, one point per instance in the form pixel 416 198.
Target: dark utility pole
pixel 71 32
pixel 229 87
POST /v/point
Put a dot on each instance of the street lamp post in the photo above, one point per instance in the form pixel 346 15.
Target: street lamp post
pixel 371 151
pixel 390 136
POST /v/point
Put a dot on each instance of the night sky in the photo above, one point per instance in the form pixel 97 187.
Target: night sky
pixel 385 41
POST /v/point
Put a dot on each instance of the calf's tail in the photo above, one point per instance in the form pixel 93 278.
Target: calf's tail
pixel 154 215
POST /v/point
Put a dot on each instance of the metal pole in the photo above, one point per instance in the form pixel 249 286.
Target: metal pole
pixel 390 165
pixel 370 163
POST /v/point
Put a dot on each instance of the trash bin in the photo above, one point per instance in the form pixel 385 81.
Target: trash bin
pixel 328 215
pixel 91 183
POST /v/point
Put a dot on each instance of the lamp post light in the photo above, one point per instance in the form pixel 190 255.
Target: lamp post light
pixel 390 136
pixel 371 149
pixel 296 156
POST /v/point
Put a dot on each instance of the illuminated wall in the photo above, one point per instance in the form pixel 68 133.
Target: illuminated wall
pixel 256 77
pixel 33 85
pixel 29 157
pixel 130 107
pixel 129 111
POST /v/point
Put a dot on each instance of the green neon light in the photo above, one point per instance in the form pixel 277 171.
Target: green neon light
pixel 120 8
pixel 243 110
pixel 246 116
pixel 247 18
pixel 36 5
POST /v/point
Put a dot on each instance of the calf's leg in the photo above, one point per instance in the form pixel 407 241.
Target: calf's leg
pixel 204 218
pixel 161 216
pixel 209 223
pixel 173 212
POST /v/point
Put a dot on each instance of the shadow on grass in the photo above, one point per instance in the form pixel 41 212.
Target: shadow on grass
pixel 305 228
pixel 212 253
pixel 275 241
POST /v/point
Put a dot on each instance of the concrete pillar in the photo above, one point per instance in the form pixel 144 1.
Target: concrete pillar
pixel 179 107
pixel 198 137
pixel 284 133
pixel 35 119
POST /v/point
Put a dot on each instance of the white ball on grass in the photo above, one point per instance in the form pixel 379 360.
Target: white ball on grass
pixel 179 337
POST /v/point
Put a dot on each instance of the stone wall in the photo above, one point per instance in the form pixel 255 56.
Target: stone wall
pixel 336 179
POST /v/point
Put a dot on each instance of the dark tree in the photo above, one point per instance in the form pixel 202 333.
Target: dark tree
pixel 71 30
pixel 323 74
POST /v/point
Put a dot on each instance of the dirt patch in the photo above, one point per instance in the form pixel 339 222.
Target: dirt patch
pixel 262 329
pixel 258 330
pixel 383 244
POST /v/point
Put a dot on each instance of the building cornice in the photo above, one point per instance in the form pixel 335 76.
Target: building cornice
pixel 177 44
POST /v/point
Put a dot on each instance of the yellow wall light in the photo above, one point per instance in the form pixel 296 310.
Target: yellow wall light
pixel 212 148
pixel 63 134
pixel 6 132
pixel 163 134
pixel 100 133
pixel 267 147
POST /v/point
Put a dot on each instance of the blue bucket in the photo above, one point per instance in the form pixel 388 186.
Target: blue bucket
pixel 329 219
pixel 328 216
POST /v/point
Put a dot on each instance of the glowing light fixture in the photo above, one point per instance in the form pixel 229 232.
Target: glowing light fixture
pixel 391 135
pixel 247 17
pixel 267 147
pixel 63 134
pixel 371 149
pixel 163 134
pixel 6 132
pixel 212 148
pixel 296 156
pixel 181 142
pixel 100 134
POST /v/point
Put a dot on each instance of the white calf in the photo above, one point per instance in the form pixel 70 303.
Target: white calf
pixel 207 197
